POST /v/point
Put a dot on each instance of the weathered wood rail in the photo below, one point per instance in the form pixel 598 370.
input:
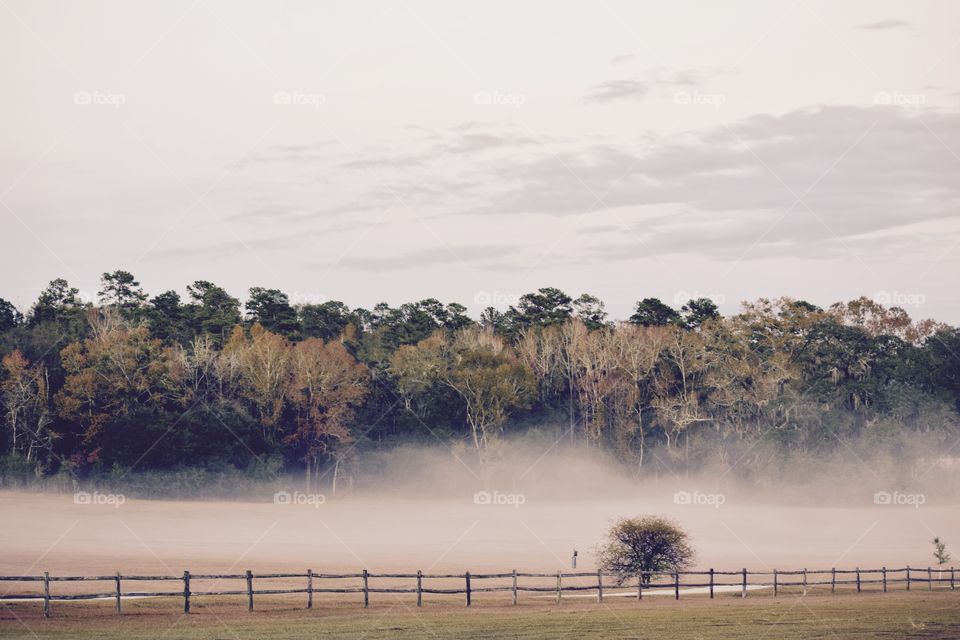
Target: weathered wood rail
pixel 742 580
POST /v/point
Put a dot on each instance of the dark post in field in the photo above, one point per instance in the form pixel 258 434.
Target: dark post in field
pixel 743 592
pixel 117 581
pixel 833 580
pixel 186 592
pixel 599 586
pixel 929 579
pixel 309 588
pixel 249 590
pixel 419 588
pixel 711 583
pixel 858 579
pixel 467 577
pixel 514 586
pixel 951 579
pixel 559 582
pixel 908 577
pixel 804 581
pixel 884 570
pixel 774 583
pixel 366 588
pixel 676 585
pixel 46 594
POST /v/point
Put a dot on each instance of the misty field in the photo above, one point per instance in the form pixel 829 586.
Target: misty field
pixel 892 615
pixel 444 534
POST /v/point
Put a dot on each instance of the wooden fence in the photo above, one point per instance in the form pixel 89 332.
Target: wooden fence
pixel 710 580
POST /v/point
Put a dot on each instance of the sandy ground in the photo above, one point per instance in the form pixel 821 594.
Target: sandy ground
pixel 52 533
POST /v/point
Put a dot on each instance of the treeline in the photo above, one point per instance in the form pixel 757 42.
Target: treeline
pixel 135 383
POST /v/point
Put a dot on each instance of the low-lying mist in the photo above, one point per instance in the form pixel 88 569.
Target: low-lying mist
pixel 528 506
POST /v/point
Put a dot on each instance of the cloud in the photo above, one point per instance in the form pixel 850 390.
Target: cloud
pixel 468 256
pixel 638 89
pixel 884 25
pixel 619 90
pixel 854 171
pixel 809 183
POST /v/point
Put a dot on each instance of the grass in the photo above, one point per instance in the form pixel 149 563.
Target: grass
pixel 916 614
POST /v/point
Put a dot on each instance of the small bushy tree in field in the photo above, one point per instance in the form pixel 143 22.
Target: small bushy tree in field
pixel 635 547
pixel 940 552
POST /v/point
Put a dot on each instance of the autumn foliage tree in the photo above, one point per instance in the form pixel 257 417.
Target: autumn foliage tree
pixel 118 368
pixel 27 414
pixel 326 386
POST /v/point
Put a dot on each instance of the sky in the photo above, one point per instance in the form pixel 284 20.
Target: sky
pixel 472 152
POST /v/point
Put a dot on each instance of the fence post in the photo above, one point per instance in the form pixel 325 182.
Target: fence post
pixel 908 577
pixel 309 588
pixel 249 590
pixel 711 583
pixel 186 592
pixel 419 588
pixel 858 579
pixel 951 579
pixel 559 588
pixel 366 588
pixel 46 594
pixel 929 579
pixel 743 593
pixel 599 585
pixel 884 579
pixel 117 579
pixel 804 581
pixel 676 585
pixel 514 586
pixel 467 576
pixel 774 583
pixel 640 587
pixel 833 580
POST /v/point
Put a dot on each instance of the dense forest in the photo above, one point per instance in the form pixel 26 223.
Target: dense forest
pixel 144 384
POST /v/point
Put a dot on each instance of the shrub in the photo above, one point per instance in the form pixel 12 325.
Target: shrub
pixel 635 547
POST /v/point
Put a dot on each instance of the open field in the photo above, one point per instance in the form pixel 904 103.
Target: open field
pixel 158 537
pixel 892 615
pixel 53 534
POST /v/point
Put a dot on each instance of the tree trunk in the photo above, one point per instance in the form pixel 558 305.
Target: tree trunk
pixel 336 470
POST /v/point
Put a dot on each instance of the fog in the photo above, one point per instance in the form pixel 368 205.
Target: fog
pixel 429 508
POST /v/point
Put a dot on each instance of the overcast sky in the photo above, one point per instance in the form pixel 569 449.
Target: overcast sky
pixel 396 150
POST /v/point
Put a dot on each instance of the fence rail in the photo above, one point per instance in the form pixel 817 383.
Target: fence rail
pixel 647 581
